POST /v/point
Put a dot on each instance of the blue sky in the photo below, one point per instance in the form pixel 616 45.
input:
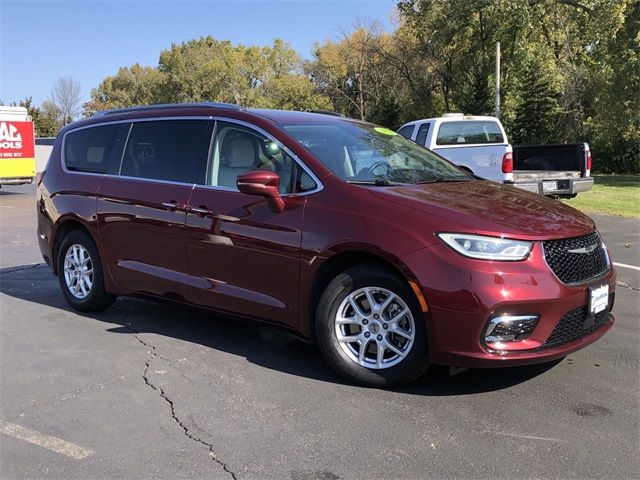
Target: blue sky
pixel 89 40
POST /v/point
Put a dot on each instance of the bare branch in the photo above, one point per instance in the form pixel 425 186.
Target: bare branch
pixel 66 97
pixel 576 5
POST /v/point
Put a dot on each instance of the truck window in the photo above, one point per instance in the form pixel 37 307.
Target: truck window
pixel 421 138
pixel 469 132
pixel 406 131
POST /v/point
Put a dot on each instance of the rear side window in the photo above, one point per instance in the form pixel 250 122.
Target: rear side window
pixel 421 137
pixel 406 131
pixel 172 150
pixel 470 132
pixel 95 149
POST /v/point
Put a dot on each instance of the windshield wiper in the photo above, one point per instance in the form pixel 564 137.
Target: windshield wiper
pixel 380 182
pixel 445 180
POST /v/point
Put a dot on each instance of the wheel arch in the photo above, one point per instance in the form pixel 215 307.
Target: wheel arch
pixel 61 229
pixel 343 259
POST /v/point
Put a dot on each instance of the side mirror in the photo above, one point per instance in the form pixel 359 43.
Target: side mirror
pixel 263 183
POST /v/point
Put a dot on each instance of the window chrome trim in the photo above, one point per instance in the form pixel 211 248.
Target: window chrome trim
pixel 214 118
pixel 151 180
pixel 508 319
pixel 115 122
pixel 299 162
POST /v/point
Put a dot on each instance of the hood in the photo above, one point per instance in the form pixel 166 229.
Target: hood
pixel 492 209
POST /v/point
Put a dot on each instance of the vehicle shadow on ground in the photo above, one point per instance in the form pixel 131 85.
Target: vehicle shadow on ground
pixel 264 345
pixel 18 190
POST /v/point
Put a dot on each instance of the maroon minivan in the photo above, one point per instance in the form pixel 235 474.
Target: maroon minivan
pixel 386 254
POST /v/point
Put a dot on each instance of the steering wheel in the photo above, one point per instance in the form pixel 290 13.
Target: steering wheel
pixel 380 163
pixel 268 164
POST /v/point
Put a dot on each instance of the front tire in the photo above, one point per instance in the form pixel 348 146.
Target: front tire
pixel 370 328
pixel 80 273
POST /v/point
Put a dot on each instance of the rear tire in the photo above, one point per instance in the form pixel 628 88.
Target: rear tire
pixel 382 346
pixel 80 273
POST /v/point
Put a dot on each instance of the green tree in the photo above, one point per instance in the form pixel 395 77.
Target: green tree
pixel 292 92
pixel 353 70
pixel 386 112
pixel 473 96
pixel 570 71
pixel 207 69
pixel 587 51
pixel 537 114
pixel 210 70
pixel 135 85
pixel 44 123
pixel 613 119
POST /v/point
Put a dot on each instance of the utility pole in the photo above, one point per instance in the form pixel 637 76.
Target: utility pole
pixel 498 79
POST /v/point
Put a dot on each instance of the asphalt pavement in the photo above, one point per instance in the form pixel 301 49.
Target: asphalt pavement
pixel 156 390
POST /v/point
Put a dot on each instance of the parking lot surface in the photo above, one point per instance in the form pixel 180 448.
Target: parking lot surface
pixel 155 390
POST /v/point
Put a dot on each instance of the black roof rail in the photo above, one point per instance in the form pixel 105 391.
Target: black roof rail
pixel 327 112
pixel 228 106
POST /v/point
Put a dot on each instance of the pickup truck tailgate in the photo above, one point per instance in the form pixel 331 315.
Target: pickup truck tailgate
pixel 555 169
pixel 564 157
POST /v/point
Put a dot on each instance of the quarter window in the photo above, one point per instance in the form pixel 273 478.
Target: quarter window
pixel 172 150
pixel 95 149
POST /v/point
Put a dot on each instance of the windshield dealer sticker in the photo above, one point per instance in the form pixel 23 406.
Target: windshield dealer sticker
pixel 385 131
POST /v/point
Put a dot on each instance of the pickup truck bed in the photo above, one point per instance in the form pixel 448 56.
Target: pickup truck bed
pixel 554 169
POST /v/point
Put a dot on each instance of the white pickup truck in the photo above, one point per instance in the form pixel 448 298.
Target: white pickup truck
pixel 479 144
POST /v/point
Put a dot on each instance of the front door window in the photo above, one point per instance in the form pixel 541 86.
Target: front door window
pixel 237 150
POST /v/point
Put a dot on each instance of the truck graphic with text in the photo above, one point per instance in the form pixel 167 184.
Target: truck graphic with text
pixel 17 146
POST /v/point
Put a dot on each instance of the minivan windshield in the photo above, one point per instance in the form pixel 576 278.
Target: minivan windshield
pixel 365 153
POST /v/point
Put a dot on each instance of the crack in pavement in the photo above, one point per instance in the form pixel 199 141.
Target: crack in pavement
pixel 152 350
pixel 4 271
pixel 626 285
pixel 32 404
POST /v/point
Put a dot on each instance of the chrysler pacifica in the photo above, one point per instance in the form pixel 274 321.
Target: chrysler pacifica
pixel 386 254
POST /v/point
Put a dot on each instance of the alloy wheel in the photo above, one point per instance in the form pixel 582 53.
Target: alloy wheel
pixel 78 271
pixel 374 327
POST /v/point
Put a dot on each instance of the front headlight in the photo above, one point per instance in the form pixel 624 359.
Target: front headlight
pixel 487 248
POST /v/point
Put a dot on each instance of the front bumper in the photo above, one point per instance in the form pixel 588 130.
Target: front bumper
pixel 464 294
pixel 566 186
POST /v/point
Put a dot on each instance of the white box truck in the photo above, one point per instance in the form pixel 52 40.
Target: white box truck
pixel 17 147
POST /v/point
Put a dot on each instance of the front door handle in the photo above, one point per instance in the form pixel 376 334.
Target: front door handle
pixel 202 210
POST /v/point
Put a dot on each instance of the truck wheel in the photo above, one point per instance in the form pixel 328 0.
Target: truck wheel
pixel 80 273
pixel 370 328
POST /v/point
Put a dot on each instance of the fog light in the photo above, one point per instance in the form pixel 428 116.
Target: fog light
pixel 510 328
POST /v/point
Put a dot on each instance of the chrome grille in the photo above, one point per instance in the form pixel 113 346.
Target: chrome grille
pixel 575 260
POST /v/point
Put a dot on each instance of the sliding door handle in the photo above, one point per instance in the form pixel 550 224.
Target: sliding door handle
pixel 202 210
pixel 172 206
